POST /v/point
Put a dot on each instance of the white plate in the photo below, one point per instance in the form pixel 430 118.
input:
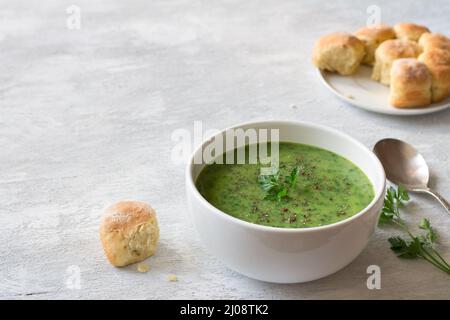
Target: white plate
pixel 363 92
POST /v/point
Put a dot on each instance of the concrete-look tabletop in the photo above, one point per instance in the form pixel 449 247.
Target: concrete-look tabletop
pixel 88 113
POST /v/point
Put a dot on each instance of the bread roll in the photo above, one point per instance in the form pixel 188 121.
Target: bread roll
pixel 429 41
pixel 340 52
pixel 387 53
pixel 410 84
pixel 438 63
pixel 129 232
pixel 409 31
pixel 373 36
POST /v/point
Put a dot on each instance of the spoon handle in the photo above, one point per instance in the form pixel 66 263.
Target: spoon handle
pixel 440 198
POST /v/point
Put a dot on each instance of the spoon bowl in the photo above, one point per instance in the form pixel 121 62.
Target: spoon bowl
pixel 402 163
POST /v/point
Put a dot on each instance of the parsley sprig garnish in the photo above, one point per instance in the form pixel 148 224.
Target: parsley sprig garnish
pixel 415 246
pixel 276 187
pixel 394 200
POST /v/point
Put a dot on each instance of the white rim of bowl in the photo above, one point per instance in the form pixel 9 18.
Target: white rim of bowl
pixel 378 193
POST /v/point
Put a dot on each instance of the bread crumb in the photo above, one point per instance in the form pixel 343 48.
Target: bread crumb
pixel 350 96
pixel 172 278
pixel 143 267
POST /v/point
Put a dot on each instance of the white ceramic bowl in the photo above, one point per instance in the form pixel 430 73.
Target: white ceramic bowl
pixel 286 255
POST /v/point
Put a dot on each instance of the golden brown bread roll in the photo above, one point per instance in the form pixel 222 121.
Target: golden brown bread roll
pixel 409 31
pixel 429 41
pixel 340 52
pixel 387 53
pixel 129 232
pixel 373 36
pixel 410 84
pixel 438 63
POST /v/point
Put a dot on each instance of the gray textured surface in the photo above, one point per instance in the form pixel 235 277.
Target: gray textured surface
pixel 87 116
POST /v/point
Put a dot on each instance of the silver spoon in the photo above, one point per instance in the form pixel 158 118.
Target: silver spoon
pixel 405 166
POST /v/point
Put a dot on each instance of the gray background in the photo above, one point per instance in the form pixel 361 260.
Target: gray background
pixel 86 118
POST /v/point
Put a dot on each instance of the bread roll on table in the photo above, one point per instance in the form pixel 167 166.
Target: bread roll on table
pixel 129 232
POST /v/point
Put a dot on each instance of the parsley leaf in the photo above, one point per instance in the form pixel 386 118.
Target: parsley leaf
pixel 405 249
pixel 275 188
pixel 292 178
pixel 402 194
pixel 269 182
pixel 394 200
pixel 282 193
pixel 431 236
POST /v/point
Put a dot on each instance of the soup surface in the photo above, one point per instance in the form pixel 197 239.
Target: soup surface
pixel 328 188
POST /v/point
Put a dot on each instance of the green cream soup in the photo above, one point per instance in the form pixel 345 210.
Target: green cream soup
pixel 328 188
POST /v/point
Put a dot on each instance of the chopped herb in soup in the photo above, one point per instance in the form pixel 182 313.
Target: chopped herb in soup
pixel 312 187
